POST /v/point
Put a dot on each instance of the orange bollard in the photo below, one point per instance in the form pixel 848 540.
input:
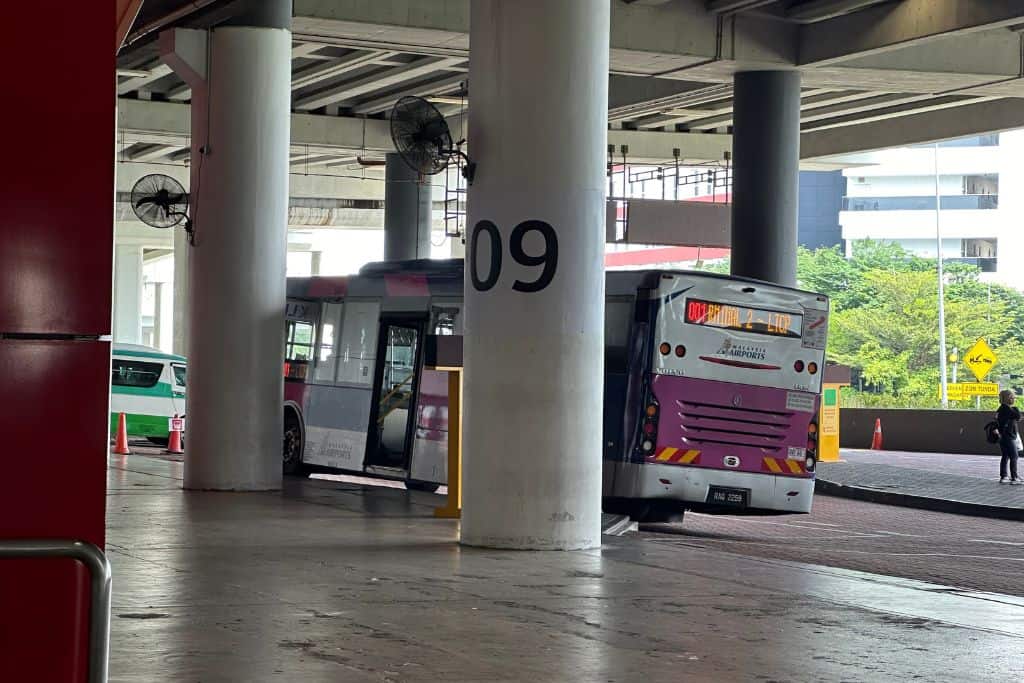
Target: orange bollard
pixel 121 444
pixel 174 440
pixel 876 438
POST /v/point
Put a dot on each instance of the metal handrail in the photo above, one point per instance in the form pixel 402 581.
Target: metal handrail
pixel 99 583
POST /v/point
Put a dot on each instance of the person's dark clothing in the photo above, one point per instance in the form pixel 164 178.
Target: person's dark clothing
pixel 1009 451
pixel 1007 418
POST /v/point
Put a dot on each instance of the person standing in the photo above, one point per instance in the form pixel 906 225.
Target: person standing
pixel 1007 418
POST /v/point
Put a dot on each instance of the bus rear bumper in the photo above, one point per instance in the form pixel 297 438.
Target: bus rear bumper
pixel 766 493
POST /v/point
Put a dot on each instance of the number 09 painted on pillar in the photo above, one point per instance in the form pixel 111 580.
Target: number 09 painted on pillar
pixel 548 259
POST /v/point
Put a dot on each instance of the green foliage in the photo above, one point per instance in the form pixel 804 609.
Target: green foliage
pixel 884 321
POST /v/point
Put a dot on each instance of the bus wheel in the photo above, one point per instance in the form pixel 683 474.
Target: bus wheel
pixel 291 452
pixel 422 486
pixel 157 441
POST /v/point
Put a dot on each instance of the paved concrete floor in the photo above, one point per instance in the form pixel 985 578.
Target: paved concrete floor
pixel 968 481
pixel 966 553
pixel 335 582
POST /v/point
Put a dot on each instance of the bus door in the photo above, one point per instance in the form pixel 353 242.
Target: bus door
pixel 395 387
pixel 178 372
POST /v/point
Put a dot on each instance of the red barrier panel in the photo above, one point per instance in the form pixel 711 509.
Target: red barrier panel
pixel 56 245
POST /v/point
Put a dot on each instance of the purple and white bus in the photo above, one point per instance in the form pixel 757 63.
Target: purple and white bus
pixel 711 384
pixel 717 395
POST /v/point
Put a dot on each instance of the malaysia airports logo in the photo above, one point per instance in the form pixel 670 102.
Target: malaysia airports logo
pixel 741 351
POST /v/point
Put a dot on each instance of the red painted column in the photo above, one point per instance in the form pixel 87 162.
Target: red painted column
pixel 56 245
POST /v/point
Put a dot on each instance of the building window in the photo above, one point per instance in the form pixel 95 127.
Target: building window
pixel 924 203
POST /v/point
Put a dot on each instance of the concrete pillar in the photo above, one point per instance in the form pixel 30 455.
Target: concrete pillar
pixel 128 294
pixel 237 266
pixel 158 315
pixel 766 173
pixel 407 212
pixel 534 334
pixel 179 304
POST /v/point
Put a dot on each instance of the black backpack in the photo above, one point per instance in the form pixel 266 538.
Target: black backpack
pixel 992 432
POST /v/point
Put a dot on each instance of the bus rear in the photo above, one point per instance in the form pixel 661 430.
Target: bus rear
pixel 730 400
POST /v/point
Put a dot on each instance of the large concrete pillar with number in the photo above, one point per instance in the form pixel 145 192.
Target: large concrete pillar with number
pixel 766 173
pixel 237 264
pixel 407 212
pixel 534 319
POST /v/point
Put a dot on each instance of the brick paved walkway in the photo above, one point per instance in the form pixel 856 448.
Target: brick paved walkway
pixel 963 481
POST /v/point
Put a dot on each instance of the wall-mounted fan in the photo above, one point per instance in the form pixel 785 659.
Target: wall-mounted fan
pixel 160 201
pixel 423 139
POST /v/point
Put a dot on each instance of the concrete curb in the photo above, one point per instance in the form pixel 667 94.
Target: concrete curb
pixel 956 507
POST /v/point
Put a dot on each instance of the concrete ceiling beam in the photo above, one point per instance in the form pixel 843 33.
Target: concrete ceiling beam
pixel 970 119
pixel 316 73
pixel 157 71
pixel 349 90
pixel 893 25
pixel 152 152
pixel 820 10
pixel 896 111
pixel 437 87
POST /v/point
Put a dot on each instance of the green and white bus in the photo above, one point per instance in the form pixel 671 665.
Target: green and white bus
pixel 148 386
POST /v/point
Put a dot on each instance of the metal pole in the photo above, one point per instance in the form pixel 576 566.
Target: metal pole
pixel 942 303
pixel 99 583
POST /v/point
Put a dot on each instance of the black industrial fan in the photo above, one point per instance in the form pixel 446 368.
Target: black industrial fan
pixel 423 139
pixel 160 201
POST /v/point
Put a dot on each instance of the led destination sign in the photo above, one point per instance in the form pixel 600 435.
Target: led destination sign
pixel 742 318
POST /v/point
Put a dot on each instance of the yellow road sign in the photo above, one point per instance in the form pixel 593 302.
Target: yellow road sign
pixel 964 390
pixel 980 359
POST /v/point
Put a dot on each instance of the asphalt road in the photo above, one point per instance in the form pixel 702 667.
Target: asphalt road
pixel 961 552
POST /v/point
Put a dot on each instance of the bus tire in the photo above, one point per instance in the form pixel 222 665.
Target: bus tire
pixel 157 441
pixel 291 448
pixel 427 486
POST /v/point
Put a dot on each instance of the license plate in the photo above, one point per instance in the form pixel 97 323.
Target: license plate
pixel 738 498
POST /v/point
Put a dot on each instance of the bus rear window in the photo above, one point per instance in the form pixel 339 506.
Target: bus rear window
pixel 135 373
pixel 179 374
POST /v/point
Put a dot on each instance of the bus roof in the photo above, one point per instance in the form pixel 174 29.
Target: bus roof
pixel 444 277
pixel 141 351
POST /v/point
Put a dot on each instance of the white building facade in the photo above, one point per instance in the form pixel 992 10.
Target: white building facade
pixel 890 196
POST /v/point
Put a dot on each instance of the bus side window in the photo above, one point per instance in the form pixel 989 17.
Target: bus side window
pixel 298 340
pixel 326 357
pixel 445 319
pixel 135 373
pixel 179 374
pixel 357 345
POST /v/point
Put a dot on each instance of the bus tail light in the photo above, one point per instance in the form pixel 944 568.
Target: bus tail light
pixel 798 366
pixel 649 426
pixel 812 368
pixel 811 456
pixel 665 348
pixel 680 351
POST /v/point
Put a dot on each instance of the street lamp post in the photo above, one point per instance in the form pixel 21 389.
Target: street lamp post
pixel 942 304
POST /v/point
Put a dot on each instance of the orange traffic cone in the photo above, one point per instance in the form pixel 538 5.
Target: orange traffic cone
pixel 174 441
pixel 121 444
pixel 876 438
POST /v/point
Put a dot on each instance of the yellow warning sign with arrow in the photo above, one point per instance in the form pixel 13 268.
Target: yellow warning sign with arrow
pixel 980 359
